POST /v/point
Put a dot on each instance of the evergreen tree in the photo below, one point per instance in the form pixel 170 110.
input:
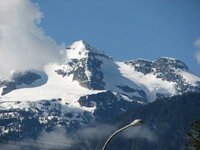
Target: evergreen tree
pixel 194 135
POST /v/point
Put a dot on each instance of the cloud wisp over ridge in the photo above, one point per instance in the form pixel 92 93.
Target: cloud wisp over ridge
pixel 23 43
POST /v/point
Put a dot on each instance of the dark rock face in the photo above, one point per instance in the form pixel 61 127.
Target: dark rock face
pixel 94 66
pixel 170 62
pixel 141 65
pixel 127 89
pixel 162 67
pixel 79 68
pixel 165 69
pixel 108 105
pixel 21 79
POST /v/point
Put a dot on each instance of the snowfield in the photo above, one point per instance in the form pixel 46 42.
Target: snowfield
pixel 56 87
pixel 150 83
pixel 116 76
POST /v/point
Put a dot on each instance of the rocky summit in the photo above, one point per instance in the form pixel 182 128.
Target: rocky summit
pixel 88 86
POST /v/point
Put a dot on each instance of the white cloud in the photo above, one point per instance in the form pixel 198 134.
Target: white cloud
pixel 57 139
pixel 23 43
pixel 197 55
pixel 87 138
pixel 92 138
pixel 54 140
pixel 140 132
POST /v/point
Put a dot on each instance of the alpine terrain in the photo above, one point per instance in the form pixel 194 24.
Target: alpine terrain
pixel 89 87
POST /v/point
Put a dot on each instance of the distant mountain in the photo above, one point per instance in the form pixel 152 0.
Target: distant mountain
pixel 87 87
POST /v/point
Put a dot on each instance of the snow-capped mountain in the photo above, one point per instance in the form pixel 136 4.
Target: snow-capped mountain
pixel 87 70
pixel 89 85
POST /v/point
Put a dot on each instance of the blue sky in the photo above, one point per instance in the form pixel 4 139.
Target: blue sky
pixel 127 29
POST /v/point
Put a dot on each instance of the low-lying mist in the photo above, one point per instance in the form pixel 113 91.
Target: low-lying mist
pixel 87 138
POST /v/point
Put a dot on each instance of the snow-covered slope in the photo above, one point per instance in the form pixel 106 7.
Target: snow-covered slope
pixel 87 70
pixel 150 83
pixel 162 77
pixel 88 86
pixel 56 87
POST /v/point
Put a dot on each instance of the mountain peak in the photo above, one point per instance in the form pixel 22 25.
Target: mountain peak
pixel 79 44
pixel 80 49
pixel 171 62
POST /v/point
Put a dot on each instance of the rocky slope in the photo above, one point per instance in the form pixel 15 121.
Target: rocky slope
pixel 88 86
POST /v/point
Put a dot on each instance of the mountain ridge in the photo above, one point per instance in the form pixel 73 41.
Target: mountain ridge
pixel 139 79
pixel 87 87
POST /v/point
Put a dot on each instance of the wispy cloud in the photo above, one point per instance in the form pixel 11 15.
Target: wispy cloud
pixel 87 138
pixel 140 132
pixel 54 140
pixel 92 138
pixel 197 55
pixel 23 43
